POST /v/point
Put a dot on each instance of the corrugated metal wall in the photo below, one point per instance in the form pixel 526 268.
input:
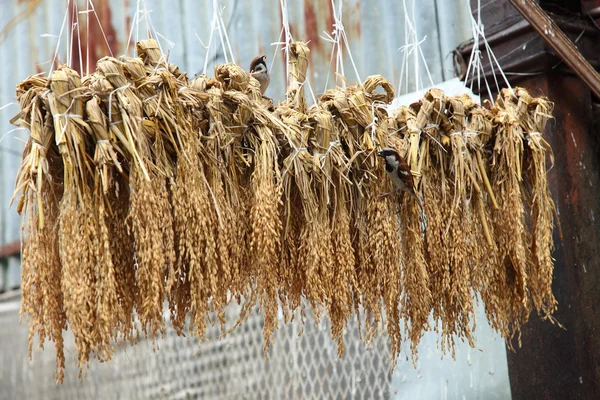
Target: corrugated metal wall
pixel 376 32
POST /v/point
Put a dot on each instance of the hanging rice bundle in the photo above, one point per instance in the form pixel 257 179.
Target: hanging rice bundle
pixel 40 185
pixel 142 189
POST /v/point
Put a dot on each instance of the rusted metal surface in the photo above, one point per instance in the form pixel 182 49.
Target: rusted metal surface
pixel 494 15
pixel 555 38
pixel 90 44
pixel 557 362
pixel 375 30
pixel 10 249
pixel 522 53
pixel 590 5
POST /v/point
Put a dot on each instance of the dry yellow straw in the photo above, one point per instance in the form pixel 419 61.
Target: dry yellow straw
pixel 142 188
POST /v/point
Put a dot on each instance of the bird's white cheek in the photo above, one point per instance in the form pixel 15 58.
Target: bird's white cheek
pixel 391 160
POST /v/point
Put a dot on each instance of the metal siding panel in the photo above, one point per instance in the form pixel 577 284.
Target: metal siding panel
pixel 426 22
pixel 454 25
pixel 12 61
pixel 13 273
pixel 193 48
pixel 122 12
pixel 375 31
pixel 171 28
pixel 5 83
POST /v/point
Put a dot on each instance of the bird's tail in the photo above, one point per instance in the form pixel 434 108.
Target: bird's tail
pixel 420 203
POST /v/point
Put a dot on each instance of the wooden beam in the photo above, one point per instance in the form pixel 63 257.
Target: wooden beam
pixel 560 43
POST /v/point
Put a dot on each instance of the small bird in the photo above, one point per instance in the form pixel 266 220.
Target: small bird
pixel 399 172
pixel 258 69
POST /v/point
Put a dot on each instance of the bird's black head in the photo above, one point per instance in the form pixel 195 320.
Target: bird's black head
pixel 259 63
pixel 391 157
pixel 386 151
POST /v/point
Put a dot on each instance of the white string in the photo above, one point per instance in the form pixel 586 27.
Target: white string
pixel 66 115
pixel 337 38
pixel 169 42
pixel 216 23
pixel 101 28
pixel 373 123
pixel 414 35
pixel 296 152
pixel 491 53
pixel 150 30
pixel 328 72
pixel 79 40
pixel 134 25
pixel 70 40
pixel 110 97
pixel 226 36
pixel 39 145
pixel 412 47
pixel 141 14
pixel 87 26
pixel 404 62
pixel 474 51
pixel 207 51
pixel 334 38
pixel 7 105
pixel 288 38
pixel 326 154
pixel 62 28
pixel 12 130
pixel 276 44
pixel 213 22
pixel 435 140
pixel 475 62
pixel 531 135
pixel 137 22
pixel 347 44
pixel 312 94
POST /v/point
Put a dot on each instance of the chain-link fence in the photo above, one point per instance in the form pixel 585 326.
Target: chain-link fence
pixel 299 367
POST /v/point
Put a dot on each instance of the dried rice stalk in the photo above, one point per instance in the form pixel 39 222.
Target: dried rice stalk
pixel 540 203
pixel 157 189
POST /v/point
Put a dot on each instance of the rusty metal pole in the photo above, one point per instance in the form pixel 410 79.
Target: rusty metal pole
pixel 559 42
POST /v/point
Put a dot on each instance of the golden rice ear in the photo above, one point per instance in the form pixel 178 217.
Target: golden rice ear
pixel 139 187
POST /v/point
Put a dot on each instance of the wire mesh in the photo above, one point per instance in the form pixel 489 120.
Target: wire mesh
pixel 302 366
